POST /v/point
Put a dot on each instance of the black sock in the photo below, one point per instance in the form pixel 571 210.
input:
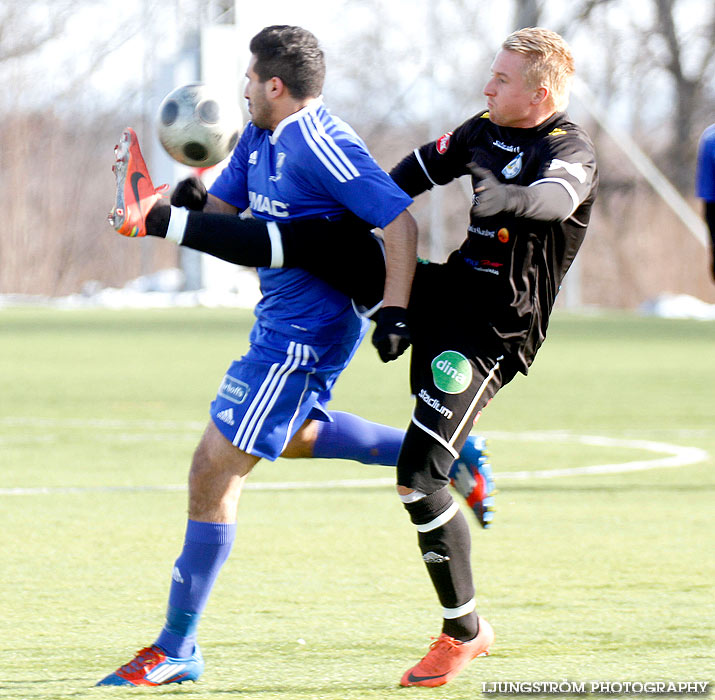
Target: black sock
pixel 444 540
pixel 157 220
pixel 229 237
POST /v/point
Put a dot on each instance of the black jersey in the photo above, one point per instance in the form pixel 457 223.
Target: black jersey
pixel 513 263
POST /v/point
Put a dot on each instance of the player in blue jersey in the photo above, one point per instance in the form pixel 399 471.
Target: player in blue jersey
pixel 294 161
pixel 705 184
pixel 480 318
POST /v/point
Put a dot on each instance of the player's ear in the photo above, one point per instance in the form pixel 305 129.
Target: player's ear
pixel 539 95
pixel 275 87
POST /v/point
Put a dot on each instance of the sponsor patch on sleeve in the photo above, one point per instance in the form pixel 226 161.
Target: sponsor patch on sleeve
pixel 443 143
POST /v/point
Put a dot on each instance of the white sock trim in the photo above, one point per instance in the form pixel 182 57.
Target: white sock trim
pixel 276 244
pixel 177 224
pixel 454 613
pixel 412 497
pixel 440 519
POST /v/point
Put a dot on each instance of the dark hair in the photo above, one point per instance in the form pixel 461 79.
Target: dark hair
pixel 291 54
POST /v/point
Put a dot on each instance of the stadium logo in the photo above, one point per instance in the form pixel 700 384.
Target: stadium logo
pixel 435 403
pixel 443 143
pixel 451 372
pixel 233 390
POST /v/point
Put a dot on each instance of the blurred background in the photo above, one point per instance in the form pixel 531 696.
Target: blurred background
pixel 76 72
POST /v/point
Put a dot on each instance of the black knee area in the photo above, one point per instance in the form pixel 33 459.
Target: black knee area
pixel 345 254
pixel 434 460
pixel 430 507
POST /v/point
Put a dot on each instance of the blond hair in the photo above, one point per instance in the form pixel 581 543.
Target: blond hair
pixel 549 61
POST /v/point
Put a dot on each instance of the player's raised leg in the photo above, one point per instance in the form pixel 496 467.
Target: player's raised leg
pixel 352 437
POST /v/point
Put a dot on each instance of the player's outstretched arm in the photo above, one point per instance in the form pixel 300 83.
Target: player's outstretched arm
pixel 392 336
pixel 545 201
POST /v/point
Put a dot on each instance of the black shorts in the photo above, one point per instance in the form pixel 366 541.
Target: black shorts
pixel 457 367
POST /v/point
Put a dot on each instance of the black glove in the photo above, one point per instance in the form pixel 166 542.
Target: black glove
pixel 391 336
pixel 492 198
pixel 190 193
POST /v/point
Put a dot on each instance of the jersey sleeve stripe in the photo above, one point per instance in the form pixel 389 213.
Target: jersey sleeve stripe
pixel 321 156
pixel 422 165
pixel 323 152
pixel 566 185
pixel 333 147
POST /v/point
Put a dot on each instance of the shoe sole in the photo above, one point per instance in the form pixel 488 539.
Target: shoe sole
pixel 117 216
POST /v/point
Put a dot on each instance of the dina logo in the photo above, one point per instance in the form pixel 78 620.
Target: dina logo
pixel 233 389
pixel 451 372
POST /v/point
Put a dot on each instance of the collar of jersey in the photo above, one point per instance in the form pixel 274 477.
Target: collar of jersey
pixel 312 106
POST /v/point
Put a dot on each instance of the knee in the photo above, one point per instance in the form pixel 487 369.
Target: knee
pixel 215 458
pixel 202 467
pixel 303 441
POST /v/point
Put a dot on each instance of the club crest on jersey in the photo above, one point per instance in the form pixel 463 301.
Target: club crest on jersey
pixel 280 159
pixel 443 143
pixel 451 372
pixel 233 389
pixel 513 167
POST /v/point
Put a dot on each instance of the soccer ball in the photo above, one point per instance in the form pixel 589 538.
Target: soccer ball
pixel 198 127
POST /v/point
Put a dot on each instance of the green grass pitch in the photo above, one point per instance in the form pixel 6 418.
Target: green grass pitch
pixel 605 576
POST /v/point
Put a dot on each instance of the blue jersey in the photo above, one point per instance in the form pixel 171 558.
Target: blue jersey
pixel 705 177
pixel 312 166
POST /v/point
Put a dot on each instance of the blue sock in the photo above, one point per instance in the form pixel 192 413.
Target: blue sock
pixel 352 437
pixel 206 548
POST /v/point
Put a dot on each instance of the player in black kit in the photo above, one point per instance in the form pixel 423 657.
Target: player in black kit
pixel 477 320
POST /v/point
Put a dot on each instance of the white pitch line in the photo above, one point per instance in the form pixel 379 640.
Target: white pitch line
pixel 677 456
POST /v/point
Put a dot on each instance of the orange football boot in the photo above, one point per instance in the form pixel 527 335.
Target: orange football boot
pixel 448 656
pixel 136 194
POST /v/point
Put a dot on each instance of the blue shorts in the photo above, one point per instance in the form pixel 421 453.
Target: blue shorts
pixel 267 395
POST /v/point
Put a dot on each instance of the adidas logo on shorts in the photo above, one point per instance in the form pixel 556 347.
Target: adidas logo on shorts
pixel 226 416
